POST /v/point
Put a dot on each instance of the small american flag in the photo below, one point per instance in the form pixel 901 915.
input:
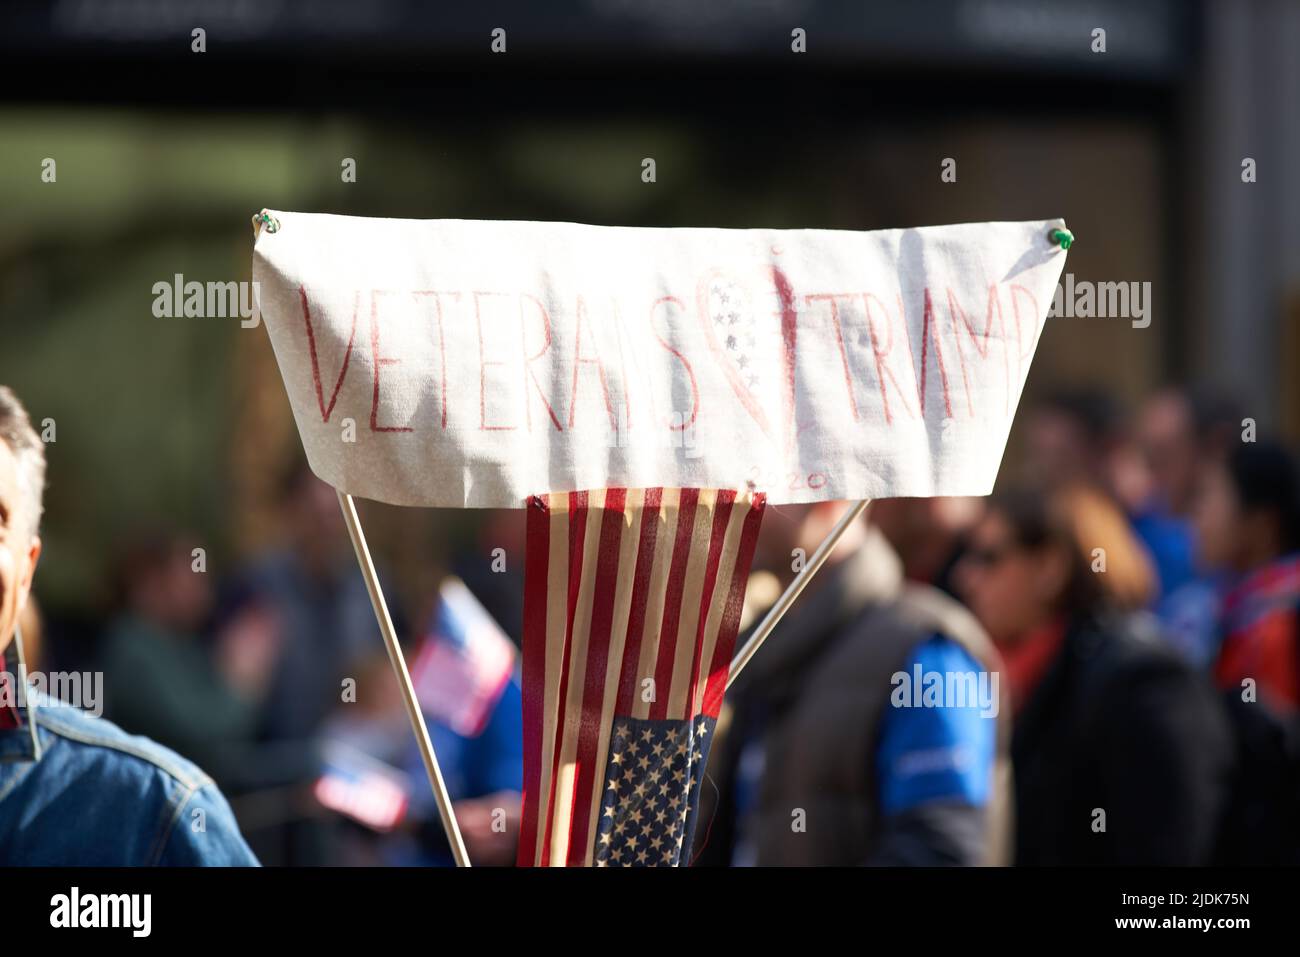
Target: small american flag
pixel 632 600
pixel 362 788
pixel 463 663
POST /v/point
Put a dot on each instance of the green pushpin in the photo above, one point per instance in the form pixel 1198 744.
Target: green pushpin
pixel 265 219
pixel 1062 236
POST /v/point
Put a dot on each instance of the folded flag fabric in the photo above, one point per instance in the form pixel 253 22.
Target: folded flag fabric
pixel 632 600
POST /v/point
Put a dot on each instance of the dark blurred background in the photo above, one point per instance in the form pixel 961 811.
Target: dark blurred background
pixel 163 154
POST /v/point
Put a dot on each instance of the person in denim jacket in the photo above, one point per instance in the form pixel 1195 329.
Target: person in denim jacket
pixel 75 789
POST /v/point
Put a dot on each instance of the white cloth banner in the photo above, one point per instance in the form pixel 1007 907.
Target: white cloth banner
pixel 471 364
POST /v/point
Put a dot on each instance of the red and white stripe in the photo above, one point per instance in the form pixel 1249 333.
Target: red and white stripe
pixel 621 585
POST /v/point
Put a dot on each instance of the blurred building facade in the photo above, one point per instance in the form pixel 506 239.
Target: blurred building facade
pixel 1139 147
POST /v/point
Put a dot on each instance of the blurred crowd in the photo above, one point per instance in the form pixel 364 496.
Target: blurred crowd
pixel 1134 583
pixel 1139 576
pixel 274 679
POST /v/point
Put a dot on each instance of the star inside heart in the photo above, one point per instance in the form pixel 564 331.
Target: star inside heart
pixel 751 335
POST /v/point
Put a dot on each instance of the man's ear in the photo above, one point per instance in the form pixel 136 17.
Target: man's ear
pixel 28 572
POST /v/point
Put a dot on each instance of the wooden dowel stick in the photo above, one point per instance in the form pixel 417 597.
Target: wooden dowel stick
pixel 775 613
pixel 403 680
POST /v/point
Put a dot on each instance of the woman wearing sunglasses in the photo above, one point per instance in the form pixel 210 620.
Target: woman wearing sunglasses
pixel 1121 753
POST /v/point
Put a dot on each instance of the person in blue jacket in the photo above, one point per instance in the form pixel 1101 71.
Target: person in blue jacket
pixel 75 789
pixel 871 728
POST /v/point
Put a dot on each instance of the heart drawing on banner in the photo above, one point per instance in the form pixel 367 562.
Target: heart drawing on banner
pixel 754 344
